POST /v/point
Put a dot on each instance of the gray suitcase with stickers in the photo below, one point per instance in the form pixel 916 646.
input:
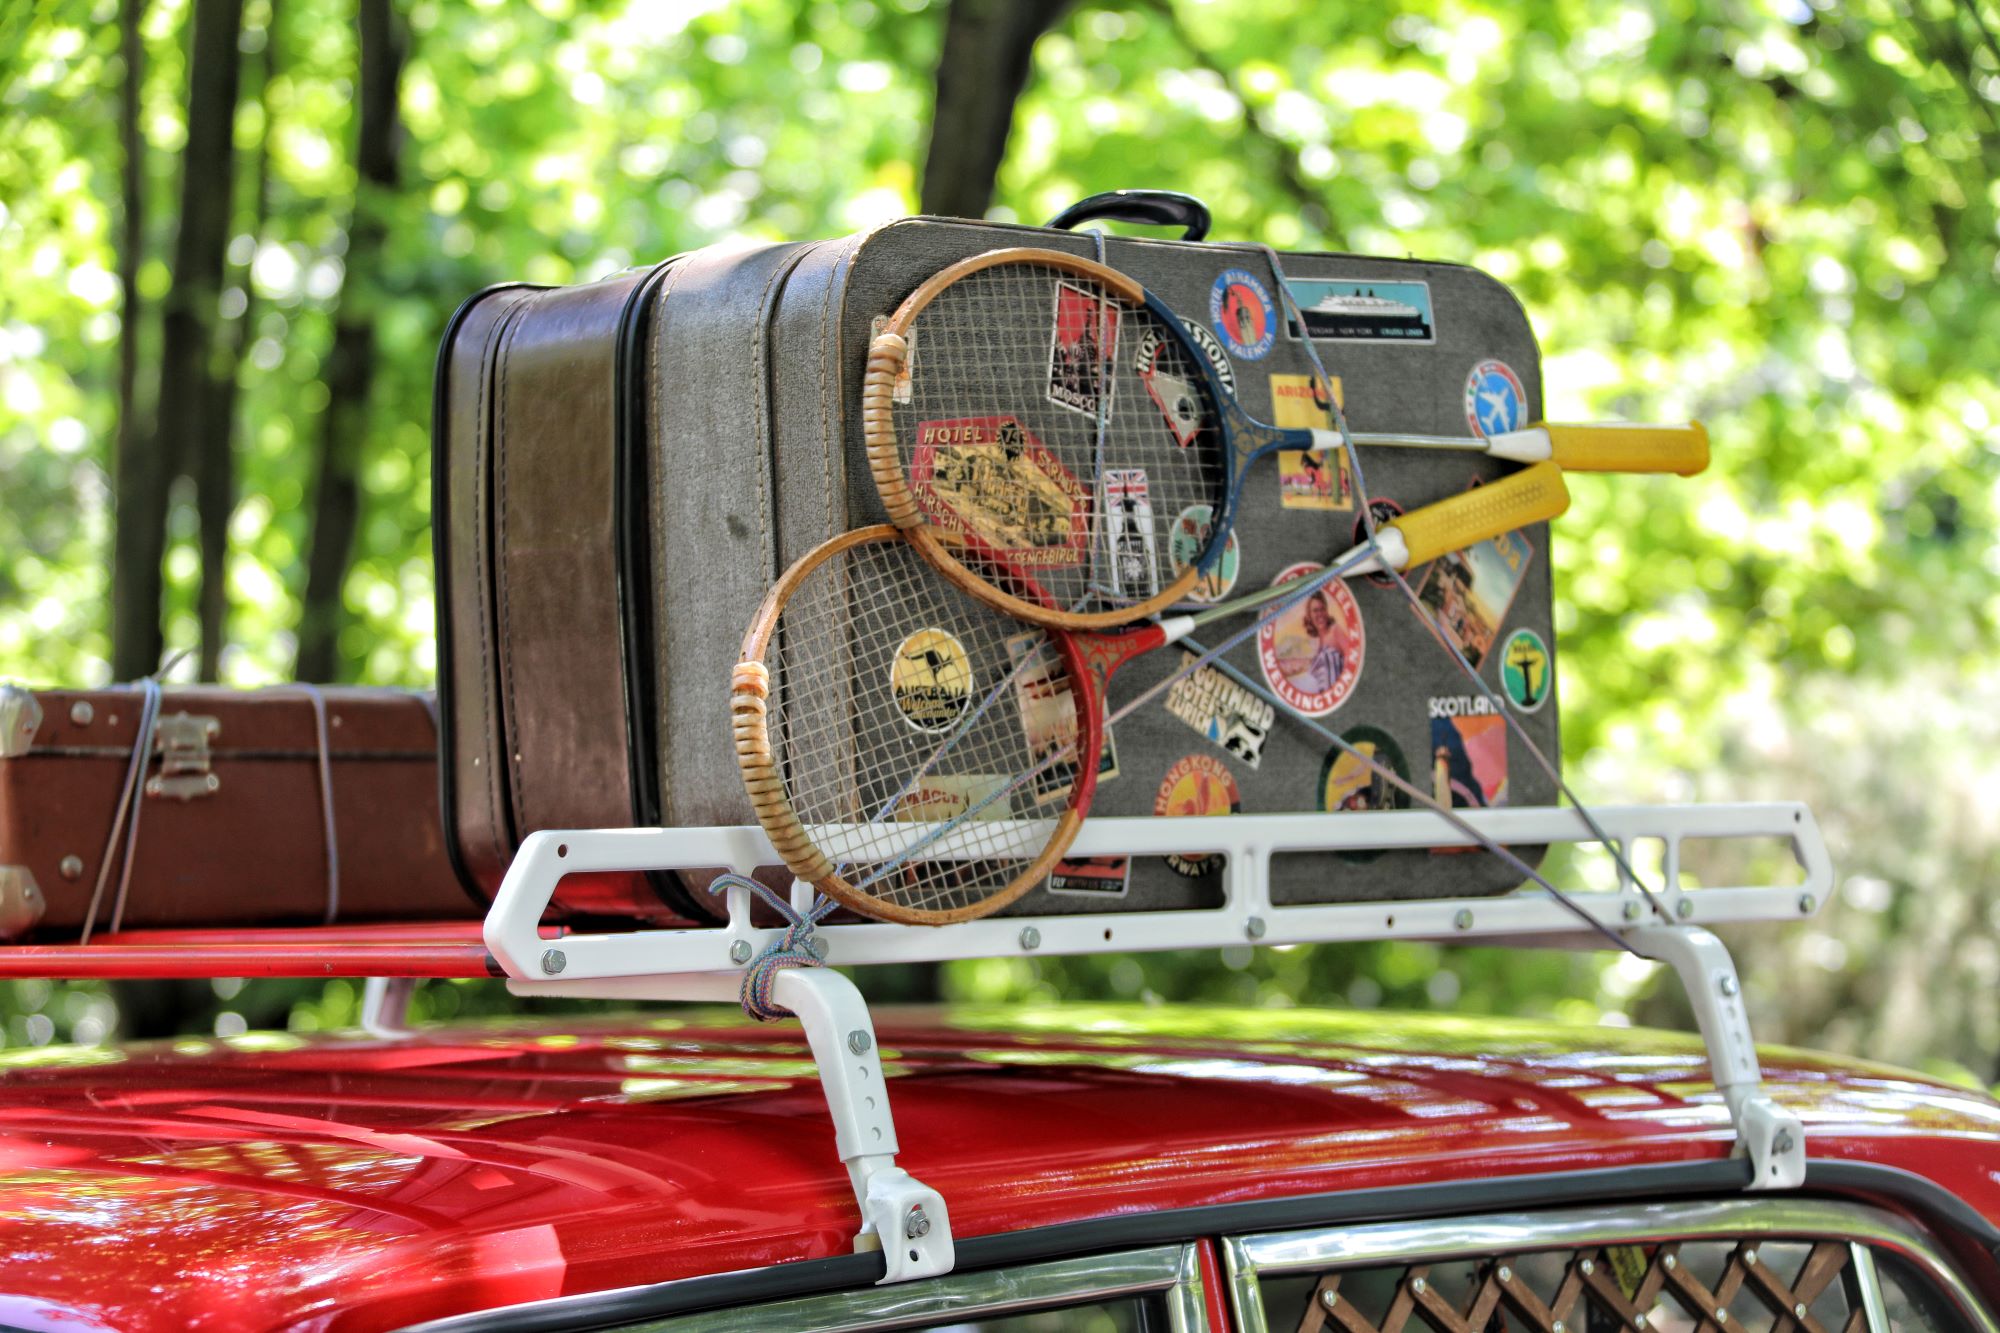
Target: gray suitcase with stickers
pixel 744 386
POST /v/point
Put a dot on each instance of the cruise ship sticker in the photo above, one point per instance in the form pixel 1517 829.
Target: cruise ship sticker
pixel 1363 310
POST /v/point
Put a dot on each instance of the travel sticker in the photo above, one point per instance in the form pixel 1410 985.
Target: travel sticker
pixel 1363 310
pixel 931 680
pixel 1132 568
pixel 1311 652
pixel 1239 305
pixel 1170 383
pixel 1197 784
pixel 1383 511
pixel 1188 538
pixel 1526 677
pixel 989 478
pixel 1047 708
pixel 1103 876
pixel 1211 347
pixel 1468 753
pixel 901 391
pixel 1468 592
pixel 941 796
pixel 1081 348
pixel 1345 783
pixel 1308 480
pixel 1495 402
pixel 1228 715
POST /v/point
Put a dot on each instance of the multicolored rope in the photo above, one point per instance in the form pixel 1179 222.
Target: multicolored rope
pixel 794 948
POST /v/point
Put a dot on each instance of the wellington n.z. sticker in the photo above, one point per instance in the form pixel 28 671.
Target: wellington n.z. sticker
pixel 1169 381
pixel 931 680
pixel 1236 719
pixel 1239 305
pixel 991 479
pixel 1082 347
pixel 1311 652
pixel 1133 565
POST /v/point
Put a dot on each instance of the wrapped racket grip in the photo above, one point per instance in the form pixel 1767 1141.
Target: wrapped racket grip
pixel 1621 448
pixel 1532 495
pixel 887 356
pixel 749 692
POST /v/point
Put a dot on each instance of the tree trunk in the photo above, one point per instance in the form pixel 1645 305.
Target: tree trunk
pixel 350 365
pixel 981 71
pixel 187 337
pixel 215 462
pixel 132 610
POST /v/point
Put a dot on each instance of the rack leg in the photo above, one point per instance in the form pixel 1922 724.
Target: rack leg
pixel 385 1005
pixel 1770 1136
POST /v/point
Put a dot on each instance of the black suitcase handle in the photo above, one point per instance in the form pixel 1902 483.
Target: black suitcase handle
pixel 1154 208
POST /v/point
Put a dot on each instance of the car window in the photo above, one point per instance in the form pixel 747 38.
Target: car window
pixel 1131 1314
pixel 1913 1304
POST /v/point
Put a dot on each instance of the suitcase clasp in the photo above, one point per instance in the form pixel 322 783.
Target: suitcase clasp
pixel 181 740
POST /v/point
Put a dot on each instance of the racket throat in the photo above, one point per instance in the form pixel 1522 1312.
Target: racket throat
pixel 1392 551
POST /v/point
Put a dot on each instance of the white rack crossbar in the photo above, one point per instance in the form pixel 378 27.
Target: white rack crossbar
pixel 908 1220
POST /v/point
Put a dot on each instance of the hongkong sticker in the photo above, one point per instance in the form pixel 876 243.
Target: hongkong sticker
pixel 1495 402
pixel 989 478
pixel 937 797
pixel 1232 717
pixel 901 391
pixel 1525 673
pixel 1185 544
pixel 1047 710
pixel 1240 308
pixel 1383 511
pixel 1133 564
pixel 1311 652
pixel 1309 479
pixel 1081 348
pixel 931 680
pixel 1211 347
pixel 1363 310
pixel 1467 593
pixel 1098 876
pixel 1197 784
pixel 1468 755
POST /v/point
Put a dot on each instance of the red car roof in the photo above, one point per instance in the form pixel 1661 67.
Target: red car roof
pixel 355 1182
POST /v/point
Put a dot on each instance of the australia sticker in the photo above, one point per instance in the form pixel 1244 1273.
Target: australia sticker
pixel 991 480
pixel 1467 592
pixel 1363 310
pixel 1525 674
pixel 1047 708
pixel 931 680
pixel 1383 511
pixel 1188 540
pixel 1081 349
pixel 1229 716
pixel 1170 383
pixel 1311 652
pixel 1308 479
pixel 1468 755
pixel 900 392
pixel 1211 347
pixel 1495 402
pixel 1197 784
pixel 1239 305
pixel 1098 876
pixel 1133 566
pixel 939 797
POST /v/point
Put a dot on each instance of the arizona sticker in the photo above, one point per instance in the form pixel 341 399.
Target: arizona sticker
pixel 1188 539
pixel 1082 347
pixel 1308 480
pixel 1239 305
pixel 1197 784
pixel 1525 671
pixel 989 478
pixel 931 680
pixel 1495 402
pixel 1311 653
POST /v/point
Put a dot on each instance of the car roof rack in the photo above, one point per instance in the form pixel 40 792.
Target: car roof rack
pixel 910 1222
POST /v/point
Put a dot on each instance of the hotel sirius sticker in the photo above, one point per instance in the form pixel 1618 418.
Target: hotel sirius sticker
pixel 1363 310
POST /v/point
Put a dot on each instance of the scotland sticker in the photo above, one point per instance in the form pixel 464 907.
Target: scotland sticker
pixel 1495 402
pixel 1349 310
pixel 1240 308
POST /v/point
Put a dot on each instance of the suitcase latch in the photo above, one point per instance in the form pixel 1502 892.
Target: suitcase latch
pixel 181 740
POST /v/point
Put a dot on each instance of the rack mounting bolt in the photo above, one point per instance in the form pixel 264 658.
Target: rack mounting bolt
pixel 554 961
pixel 1807 903
pixel 1254 927
pixel 917 1225
pixel 1464 919
pixel 739 952
pixel 817 948
pixel 1030 938
pixel 859 1041
pixel 1683 909
pixel 1728 987
pixel 1632 911
pixel 1782 1145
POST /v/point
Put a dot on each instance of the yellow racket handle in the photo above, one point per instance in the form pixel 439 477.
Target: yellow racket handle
pixel 1621 448
pixel 1532 495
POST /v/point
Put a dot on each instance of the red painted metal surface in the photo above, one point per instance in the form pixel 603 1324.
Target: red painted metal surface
pixel 424 949
pixel 352 1183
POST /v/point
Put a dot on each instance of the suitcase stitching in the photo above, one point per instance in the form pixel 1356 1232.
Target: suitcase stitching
pixel 661 677
pixel 482 510
pixel 500 580
pixel 760 368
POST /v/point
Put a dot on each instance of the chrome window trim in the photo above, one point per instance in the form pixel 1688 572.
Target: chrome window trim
pixel 1246 1258
pixel 1870 1284
pixel 1173 1270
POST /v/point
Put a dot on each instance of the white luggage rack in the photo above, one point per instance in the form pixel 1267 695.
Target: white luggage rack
pixel 708 963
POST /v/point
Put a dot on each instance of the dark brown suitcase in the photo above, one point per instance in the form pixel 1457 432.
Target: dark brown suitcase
pixel 233 802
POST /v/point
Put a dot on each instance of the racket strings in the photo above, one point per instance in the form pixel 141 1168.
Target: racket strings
pixel 1057 432
pixel 897 722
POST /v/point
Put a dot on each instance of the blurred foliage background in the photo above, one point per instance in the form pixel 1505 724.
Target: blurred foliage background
pixel 1778 217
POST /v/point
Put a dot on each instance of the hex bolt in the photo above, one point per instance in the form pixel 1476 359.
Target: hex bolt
pixel 916 1226
pixel 1464 919
pixel 1030 938
pixel 81 712
pixel 71 867
pixel 859 1041
pixel 739 952
pixel 1807 903
pixel 1254 927
pixel 1727 985
pixel 1683 909
pixel 1782 1143
pixel 553 961
pixel 817 947
pixel 1632 911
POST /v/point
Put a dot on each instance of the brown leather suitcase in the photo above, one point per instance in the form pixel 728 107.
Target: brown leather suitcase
pixel 292 804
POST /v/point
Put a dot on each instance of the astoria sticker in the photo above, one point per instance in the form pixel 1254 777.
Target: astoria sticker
pixel 1211 347
pixel 1239 305
pixel 931 680
pixel 1311 652
pixel 1197 784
